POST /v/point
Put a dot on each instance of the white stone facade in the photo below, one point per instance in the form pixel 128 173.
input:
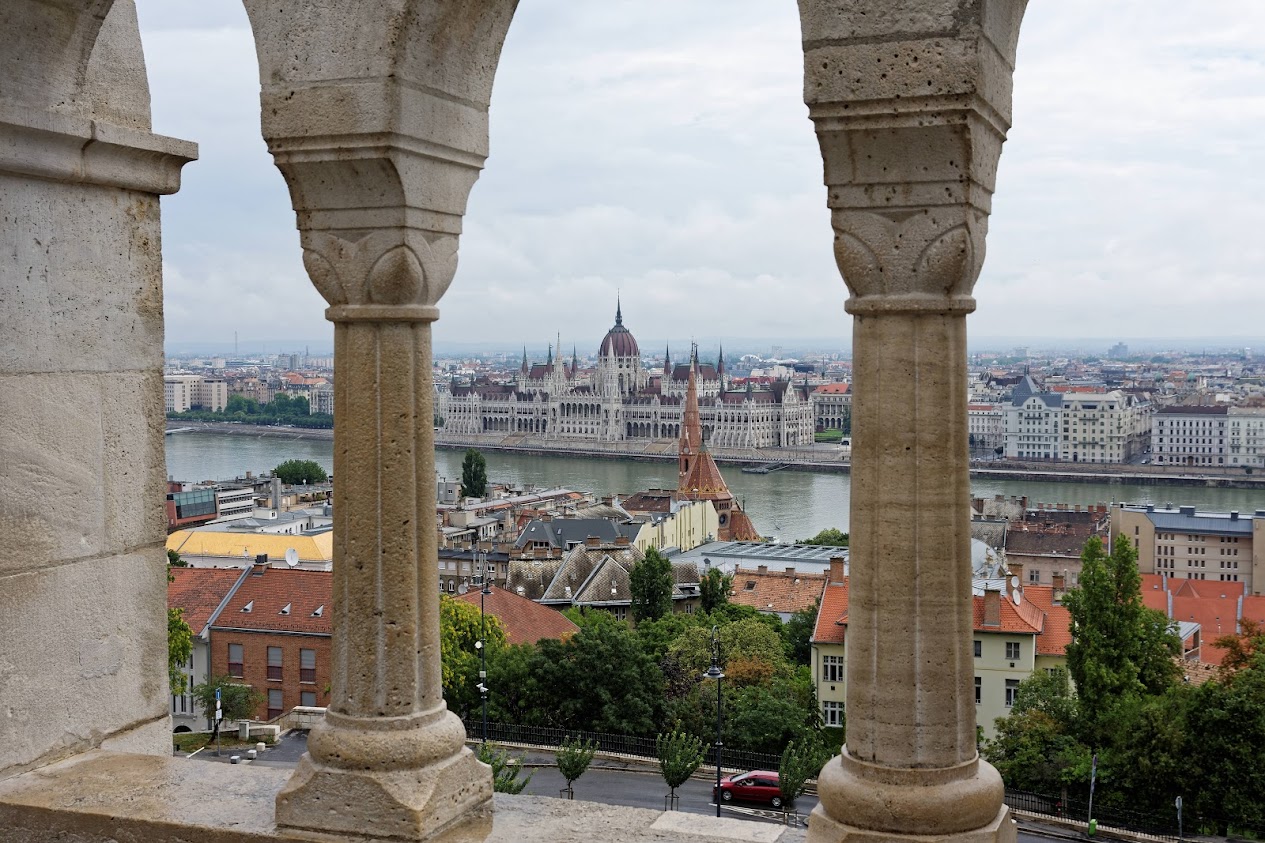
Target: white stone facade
pixel 1191 436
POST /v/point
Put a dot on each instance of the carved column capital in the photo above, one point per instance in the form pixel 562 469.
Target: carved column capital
pixel 911 103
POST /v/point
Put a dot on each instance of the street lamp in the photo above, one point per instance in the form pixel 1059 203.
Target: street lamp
pixel 714 672
pixel 481 645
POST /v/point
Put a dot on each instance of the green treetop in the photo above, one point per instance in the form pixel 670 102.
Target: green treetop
pixel 293 472
pixel 474 475
pixel 651 583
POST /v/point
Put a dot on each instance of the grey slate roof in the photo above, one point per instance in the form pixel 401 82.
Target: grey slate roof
pixel 1209 524
pixel 563 532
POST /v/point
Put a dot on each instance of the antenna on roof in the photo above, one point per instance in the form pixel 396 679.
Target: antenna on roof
pixel 292 557
pixel 463 588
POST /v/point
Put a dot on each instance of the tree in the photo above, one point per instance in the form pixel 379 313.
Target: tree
pixel 599 680
pixel 801 761
pixel 714 589
pixel 179 649
pixel 237 701
pixel 680 754
pixel 474 475
pixel 505 768
pixel 1035 747
pixel 749 640
pixel 797 634
pixel 293 472
pixel 651 583
pixel 830 537
pixel 574 757
pixel 460 625
pixel 1119 647
pixel 174 561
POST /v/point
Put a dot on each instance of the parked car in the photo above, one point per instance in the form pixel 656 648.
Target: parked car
pixel 752 786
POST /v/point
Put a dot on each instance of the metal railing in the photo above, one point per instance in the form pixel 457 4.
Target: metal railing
pixel 635 746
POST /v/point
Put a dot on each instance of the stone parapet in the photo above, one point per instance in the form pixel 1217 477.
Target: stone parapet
pixel 104 797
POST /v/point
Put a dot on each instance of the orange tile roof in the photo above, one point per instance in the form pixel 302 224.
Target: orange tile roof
pixel 832 389
pixel 1207 588
pixel 199 592
pixel 1057 633
pixel 776 591
pixel 832 618
pixel 525 621
pixel 269 592
pixel 1012 619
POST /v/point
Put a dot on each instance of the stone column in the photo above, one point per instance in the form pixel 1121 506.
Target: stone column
pixel 83 592
pixel 380 142
pixel 911 102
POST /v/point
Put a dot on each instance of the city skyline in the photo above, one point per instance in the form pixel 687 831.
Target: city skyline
pixel 664 151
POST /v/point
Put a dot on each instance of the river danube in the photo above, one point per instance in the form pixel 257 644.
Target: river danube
pixel 787 505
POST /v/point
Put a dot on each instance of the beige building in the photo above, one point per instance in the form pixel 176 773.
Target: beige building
pixel 1188 545
pixel 1018 631
pixel 1102 427
pixel 986 425
pixel 194 392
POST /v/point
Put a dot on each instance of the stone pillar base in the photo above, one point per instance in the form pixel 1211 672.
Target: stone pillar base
pixel 823 829
pixel 449 801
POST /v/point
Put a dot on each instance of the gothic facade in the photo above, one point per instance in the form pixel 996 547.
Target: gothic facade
pixel 620 400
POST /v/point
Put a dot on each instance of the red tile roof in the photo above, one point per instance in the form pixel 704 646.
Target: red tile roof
pixel 776 591
pixel 525 621
pixel 268 593
pixel 1206 588
pixel 832 389
pixel 832 618
pixel 1057 633
pixel 199 591
pixel 1023 621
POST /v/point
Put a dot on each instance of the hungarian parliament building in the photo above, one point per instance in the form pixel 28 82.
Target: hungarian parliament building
pixel 621 400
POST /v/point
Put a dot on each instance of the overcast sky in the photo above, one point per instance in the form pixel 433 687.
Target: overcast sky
pixel 662 148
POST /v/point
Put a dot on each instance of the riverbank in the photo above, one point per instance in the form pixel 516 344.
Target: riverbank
pixel 818 458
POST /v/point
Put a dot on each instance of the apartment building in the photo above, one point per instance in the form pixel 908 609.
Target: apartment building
pixel 1018 631
pixel 1095 427
pixel 194 392
pixel 986 425
pixel 1189 435
pixel 1188 545
pixel 1245 436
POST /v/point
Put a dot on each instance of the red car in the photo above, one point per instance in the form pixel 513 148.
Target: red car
pixel 753 786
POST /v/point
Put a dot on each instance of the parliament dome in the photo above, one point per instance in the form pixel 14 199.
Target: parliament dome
pixel 619 341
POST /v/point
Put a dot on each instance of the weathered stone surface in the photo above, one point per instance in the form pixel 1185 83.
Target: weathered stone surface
pixel 380 143
pixel 82 592
pixel 911 103
pixel 83 659
pixel 107 797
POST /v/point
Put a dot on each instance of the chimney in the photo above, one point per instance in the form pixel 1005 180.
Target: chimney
pixel 762 569
pixel 261 565
pixel 1234 515
pixel 609 500
pixel 592 541
pixel 546 517
pixel 992 608
pixel 276 493
pixel 621 541
pixel 1015 569
pixel 1059 583
pixel 836 570
pixel 790 571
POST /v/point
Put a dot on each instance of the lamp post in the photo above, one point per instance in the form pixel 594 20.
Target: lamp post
pixel 714 672
pixel 483 655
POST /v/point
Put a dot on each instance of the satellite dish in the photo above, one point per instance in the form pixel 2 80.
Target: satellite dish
pixel 292 557
pixel 1014 583
pixel 463 588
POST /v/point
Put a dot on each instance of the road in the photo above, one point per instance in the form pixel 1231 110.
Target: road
pixel 626 783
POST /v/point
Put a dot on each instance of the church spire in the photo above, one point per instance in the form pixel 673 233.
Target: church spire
pixel 549 359
pixel 691 427
pixel 667 362
pixel 619 312
pixel 524 368
pixel 575 361
pixel 720 367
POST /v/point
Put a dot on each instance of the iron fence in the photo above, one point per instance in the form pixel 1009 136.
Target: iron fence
pixel 637 746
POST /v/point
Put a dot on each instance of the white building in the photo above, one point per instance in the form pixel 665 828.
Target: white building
pixel 1193 435
pixel 194 392
pixel 1095 427
pixel 986 425
pixel 1245 436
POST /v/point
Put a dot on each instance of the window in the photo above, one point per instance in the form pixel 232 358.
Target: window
pixel 832 713
pixel 832 668
pixel 979 690
pixel 979 648
pixel 1034 576
pixel 274 662
pixel 307 665
pixel 276 701
pixel 308 698
pixel 1012 650
pixel 1012 688
pixel 235 661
